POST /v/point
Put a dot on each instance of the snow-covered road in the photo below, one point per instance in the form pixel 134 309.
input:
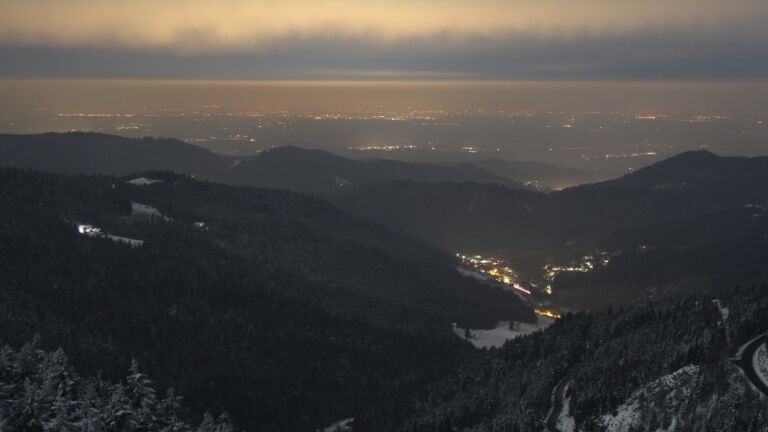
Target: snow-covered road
pixel 746 361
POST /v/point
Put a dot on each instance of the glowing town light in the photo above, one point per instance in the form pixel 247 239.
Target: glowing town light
pixel 520 288
pixel 547 313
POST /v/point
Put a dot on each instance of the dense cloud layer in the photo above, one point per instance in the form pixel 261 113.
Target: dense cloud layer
pixel 597 39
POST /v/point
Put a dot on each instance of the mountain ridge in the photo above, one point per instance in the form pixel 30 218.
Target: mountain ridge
pixel 290 167
pixel 681 213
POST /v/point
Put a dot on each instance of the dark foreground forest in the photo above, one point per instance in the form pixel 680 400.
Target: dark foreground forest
pixel 272 306
pixel 41 391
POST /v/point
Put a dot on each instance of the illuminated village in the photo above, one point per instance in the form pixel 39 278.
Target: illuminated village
pixel 587 263
pixel 499 272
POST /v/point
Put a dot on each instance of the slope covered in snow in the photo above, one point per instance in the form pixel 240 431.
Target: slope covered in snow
pixel 565 421
pixel 139 210
pixel 340 426
pixel 670 392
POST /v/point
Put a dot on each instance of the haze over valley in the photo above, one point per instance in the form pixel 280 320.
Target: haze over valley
pixel 607 129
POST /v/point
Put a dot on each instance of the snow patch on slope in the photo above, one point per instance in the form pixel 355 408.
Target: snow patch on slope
pixel 142 181
pixel 146 211
pixel 565 421
pixel 340 426
pixel 671 391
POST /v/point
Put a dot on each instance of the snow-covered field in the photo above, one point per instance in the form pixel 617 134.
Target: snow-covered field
pixel 673 390
pixel 142 181
pixel 497 336
pixel 760 363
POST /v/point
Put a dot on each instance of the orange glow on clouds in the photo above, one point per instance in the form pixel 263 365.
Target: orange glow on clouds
pixel 208 26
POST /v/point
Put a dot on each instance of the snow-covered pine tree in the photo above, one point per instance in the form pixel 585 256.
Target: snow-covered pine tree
pixel 141 394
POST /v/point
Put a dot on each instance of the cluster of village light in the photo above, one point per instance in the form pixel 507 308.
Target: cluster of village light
pixel 499 271
pixel 386 148
pixel 494 268
pixel 586 264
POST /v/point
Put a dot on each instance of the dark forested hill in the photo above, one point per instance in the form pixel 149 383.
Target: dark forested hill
pixel 698 214
pixel 252 301
pixel 692 184
pixel 694 169
pixel 662 366
pixel 317 171
pixel 454 216
pixel 91 153
pixel 291 168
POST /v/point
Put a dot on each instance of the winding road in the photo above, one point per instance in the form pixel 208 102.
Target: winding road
pixel 555 407
pixel 745 363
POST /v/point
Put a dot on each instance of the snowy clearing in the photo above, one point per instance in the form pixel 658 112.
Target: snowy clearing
pixel 92 231
pixel 496 337
pixel 565 421
pixel 139 210
pixel 143 181
pixel 671 390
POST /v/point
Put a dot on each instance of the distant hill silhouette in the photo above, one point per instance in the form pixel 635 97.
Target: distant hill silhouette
pixel 291 168
pixel 317 171
pixel 694 169
pixel 693 200
pixel 92 153
pixel 690 184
